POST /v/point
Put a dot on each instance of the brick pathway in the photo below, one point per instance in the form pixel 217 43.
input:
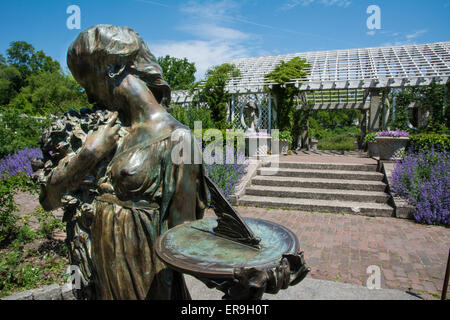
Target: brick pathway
pixel 340 248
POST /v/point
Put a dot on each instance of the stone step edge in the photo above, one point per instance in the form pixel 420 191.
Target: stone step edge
pixel 371 209
pixel 318 180
pixel 370 173
pixel 372 167
pixel 317 190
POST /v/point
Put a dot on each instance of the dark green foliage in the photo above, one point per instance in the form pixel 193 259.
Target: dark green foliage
pixel 339 138
pixel 287 71
pixel 283 136
pixel 189 116
pixel 18 132
pixel 427 140
pixel 211 92
pixel 179 73
pixel 49 93
pixel 23 56
pixel 288 118
pixel 33 83
pixel 370 137
pixel 10 79
pixel 403 99
pixel 431 98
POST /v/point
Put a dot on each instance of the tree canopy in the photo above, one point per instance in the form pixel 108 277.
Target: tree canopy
pixel 211 92
pixel 179 73
pixel 33 83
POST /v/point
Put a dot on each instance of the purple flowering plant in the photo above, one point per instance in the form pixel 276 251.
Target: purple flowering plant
pixel 397 133
pixel 19 161
pixel 227 176
pixel 423 180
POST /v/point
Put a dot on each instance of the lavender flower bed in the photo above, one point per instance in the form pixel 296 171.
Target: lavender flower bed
pixel 19 161
pixel 423 180
pixel 392 134
pixel 227 176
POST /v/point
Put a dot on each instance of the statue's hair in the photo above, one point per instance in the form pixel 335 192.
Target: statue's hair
pixel 109 49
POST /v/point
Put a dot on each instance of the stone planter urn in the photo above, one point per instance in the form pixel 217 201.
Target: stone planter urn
pixel 391 148
pixel 372 149
pixel 284 147
pixel 257 145
pixel 313 144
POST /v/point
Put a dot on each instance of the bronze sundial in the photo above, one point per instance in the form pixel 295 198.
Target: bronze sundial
pixel 240 256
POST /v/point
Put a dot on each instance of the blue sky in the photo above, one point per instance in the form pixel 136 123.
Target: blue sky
pixel 213 32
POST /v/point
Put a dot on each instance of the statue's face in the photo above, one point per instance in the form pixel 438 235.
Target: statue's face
pixel 99 87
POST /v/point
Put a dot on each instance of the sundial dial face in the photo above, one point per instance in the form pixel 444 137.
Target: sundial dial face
pixel 195 249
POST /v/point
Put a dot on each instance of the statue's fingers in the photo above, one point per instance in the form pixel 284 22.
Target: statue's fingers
pixel 113 119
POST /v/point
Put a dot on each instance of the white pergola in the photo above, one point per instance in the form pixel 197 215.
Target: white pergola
pixel 340 79
pixel 382 67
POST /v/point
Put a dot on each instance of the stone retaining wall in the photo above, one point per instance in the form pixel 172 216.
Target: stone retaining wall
pixel 51 292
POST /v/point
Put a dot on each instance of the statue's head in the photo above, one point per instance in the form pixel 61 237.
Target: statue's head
pixel 102 53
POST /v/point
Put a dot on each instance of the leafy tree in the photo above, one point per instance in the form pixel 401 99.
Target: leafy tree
pixel 179 73
pixel 49 92
pixel 18 131
pixel 211 92
pixel 23 56
pixel 10 77
pixel 2 60
pixel 20 54
pixel 194 113
pixel 433 98
pixel 286 95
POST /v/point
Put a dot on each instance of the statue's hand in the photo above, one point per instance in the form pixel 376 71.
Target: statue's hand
pixel 100 143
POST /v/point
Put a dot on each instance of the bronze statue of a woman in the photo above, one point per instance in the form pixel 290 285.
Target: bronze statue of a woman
pixel 117 182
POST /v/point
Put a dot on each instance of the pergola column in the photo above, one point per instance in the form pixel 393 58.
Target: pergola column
pixel 376 104
pixel 386 111
pixel 363 128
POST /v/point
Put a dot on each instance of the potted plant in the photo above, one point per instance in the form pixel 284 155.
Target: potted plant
pixel 256 143
pixel 372 147
pixel 285 140
pixel 391 144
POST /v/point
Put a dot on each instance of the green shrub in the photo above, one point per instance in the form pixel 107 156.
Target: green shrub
pixel 48 222
pixel 342 142
pixel 188 116
pixel 9 186
pixel 370 137
pixel 426 140
pixel 18 132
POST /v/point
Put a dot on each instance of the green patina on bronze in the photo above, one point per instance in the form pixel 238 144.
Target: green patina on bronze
pixel 197 241
pixel 113 172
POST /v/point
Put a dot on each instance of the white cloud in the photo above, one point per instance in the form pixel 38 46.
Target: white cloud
pixel 294 3
pixel 211 31
pixel 214 39
pixel 399 39
pixel 416 34
pixel 204 53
